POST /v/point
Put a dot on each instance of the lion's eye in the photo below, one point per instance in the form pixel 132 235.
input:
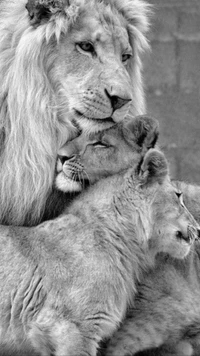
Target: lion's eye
pixel 180 197
pixel 100 144
pixel 178 194
pixel 86 46
pixel 126 57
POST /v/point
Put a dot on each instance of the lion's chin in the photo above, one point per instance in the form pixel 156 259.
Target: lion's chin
pixel 88 125
pixel 67 185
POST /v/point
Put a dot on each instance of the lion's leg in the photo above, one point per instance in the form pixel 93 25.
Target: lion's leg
pixel 148 325
pixel 150 330
pixel 134 336
pixel 62 338
pixel 183 348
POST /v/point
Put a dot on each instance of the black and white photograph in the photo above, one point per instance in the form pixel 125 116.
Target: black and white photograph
pixel 99 177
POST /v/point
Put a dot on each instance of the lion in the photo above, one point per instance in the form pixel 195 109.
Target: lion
pixel 66 283
pixel 124 341
pixel 66 67
pixel 165 317
pixel 141 133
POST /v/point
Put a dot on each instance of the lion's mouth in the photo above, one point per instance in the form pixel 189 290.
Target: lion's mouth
pixel 83 182
pixel 99 121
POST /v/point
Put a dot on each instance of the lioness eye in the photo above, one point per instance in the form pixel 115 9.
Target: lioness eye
pixel 126 57
pixel 86 46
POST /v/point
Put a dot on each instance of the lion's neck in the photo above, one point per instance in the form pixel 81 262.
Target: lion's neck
pixel 188 268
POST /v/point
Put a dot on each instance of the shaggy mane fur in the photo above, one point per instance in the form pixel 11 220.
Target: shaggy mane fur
pixel 32 127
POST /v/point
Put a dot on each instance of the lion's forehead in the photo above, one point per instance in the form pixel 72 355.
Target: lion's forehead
pixel 165 195
pixel 103 25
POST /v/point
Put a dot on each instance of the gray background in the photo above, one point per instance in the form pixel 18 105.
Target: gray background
pixel 172 77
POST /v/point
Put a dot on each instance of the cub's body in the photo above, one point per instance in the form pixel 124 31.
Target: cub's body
pixel 66 284
pixel 74 275
pixel 166 313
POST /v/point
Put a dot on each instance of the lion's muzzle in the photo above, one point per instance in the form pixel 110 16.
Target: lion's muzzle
pixel 190 235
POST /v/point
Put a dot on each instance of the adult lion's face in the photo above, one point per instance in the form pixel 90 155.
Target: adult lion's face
pixel 93 65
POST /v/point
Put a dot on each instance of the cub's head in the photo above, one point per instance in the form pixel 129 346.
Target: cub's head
pixel 173 229
pixel 90 158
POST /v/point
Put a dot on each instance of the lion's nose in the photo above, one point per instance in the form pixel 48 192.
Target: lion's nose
pixel 116 101
pixel 189 234
pixel 63 159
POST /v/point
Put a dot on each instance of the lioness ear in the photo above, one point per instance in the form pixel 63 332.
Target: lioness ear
pixel 154 167
pixel 143 130
pixel 41 10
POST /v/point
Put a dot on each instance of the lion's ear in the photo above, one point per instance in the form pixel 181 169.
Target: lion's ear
pixel 143 130
pixel 154 167
pixel 41 10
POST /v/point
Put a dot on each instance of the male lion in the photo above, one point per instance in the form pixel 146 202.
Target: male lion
pixel 66 284
pixel 65 66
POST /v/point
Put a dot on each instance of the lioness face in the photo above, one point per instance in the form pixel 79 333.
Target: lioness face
pixel 94 68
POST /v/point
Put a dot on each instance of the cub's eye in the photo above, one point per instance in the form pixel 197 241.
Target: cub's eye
pixel 178 194
pixel 126 57
pixel 180 197
pixel 100 144
pixel 86 46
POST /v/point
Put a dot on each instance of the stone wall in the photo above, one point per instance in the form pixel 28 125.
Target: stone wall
pixel 175 40
pixel 172 76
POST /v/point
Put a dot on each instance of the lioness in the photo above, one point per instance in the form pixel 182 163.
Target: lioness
pixel 66 284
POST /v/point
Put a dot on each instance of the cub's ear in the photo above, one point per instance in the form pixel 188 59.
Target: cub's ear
pixel 41 10
pixel 154 167
pixel 143 130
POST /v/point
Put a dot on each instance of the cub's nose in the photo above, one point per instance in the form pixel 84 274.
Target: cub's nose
pixel 189 235
pixel 63 159
pixel 68 151
pixel 181 236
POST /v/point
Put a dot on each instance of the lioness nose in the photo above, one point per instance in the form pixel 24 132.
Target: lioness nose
pixel 116 101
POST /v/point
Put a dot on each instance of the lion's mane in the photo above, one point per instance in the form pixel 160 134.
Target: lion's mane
pixel 32 124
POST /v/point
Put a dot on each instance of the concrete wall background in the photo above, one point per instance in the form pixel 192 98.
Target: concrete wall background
pixel 172 76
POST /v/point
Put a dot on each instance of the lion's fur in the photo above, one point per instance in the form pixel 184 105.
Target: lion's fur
pixel 140 133
pixel 167 307
pixel 33 122
pixel 191 193
pixel 166 313
pixel 66 284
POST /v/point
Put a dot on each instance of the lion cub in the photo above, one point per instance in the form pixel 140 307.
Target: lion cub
pixel 66 284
